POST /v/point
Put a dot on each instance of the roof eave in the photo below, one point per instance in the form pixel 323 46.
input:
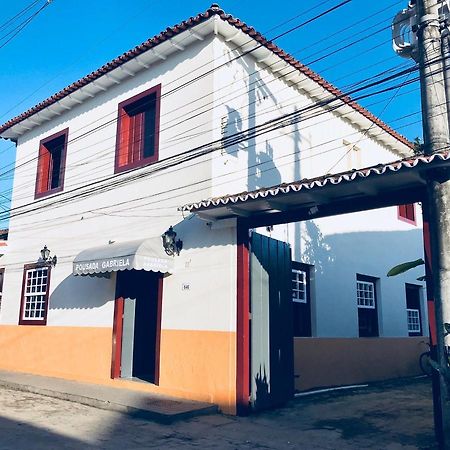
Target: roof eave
pixel 354 184
pixel 129 63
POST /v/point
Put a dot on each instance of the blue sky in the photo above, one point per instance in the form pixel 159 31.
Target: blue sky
pixel 71 38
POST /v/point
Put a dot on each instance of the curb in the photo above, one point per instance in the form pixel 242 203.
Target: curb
pixel 112 406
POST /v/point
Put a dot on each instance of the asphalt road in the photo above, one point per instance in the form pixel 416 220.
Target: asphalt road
pixel 387 416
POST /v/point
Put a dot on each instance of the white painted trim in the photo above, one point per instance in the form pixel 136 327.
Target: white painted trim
pixel 338 388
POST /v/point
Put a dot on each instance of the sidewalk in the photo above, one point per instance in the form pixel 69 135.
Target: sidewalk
pixel 390 416
pixel 158 408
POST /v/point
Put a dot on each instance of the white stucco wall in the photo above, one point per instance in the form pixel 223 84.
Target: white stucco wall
pixel 236 96
pixel 321 142
pixel 247 95
pixel 367 243
pixel 145 207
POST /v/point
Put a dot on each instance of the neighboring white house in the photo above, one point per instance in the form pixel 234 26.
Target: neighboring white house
pixel 110 161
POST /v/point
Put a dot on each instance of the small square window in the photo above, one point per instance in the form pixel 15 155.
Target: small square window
pixel 137 141
pixel 51 164
pixel 35 291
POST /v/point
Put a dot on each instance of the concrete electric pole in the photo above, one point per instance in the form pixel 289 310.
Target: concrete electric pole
pixel 429 46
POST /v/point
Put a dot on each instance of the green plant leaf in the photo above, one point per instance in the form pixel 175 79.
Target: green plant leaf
pixel 401 268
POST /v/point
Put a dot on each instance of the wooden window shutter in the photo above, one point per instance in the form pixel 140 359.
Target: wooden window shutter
pixel 124 138
pixel 44 162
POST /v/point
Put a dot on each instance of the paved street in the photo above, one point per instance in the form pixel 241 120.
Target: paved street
pixel 389 416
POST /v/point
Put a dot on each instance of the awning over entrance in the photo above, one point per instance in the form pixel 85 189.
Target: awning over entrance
pixel 147 254
pixel 398 182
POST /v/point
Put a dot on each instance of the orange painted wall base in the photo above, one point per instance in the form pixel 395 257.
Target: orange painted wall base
pixel 196 365
pixel 321 362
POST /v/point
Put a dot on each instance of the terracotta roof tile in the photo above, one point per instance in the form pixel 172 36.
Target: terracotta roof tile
pixel 179 28
pixel 321 181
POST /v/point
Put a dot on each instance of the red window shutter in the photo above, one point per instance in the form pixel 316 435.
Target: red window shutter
pixel 138 130
pixel 136 137
pixel 44 162
pixel 124 138
pixel 407 213
pixel 410 212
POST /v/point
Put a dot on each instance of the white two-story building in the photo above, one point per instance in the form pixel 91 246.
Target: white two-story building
pixel 106 166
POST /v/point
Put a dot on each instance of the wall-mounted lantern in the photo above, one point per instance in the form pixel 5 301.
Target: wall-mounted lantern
pixel 46 258
pixel 171 244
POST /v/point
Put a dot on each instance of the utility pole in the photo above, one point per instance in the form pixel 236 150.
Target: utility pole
pixel 427 49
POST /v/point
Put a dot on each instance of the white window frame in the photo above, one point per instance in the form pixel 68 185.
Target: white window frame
pixel 35 294
pixel 414 325
pixel 365 294
pixel 299 279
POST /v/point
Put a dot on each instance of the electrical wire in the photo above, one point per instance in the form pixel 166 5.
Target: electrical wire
pixel 283 121
pixel 318 16
pixel 13 33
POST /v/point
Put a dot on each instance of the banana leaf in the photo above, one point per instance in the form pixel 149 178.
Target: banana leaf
pixel 401 268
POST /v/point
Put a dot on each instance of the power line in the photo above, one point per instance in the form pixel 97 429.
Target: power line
pixel 46 224
pixel 309 107
pixel 98 156
pixel 19 14
pixel 128 201
pixel 13 33
pixel 115 119
pixel 128 22
pixel 284 120
pixel 368 129
pixel 320 15
pixel 294 28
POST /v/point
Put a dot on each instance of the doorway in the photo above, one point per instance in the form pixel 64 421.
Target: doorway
pixel 137 324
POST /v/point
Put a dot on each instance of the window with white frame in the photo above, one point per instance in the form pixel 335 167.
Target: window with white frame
pixel 301 299
pixel 365 294
pixel 413 316
pixel 413 320
pixel 33 309
pixel 366 299
pixel 299 286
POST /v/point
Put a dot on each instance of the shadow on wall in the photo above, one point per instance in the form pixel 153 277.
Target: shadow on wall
pixel 77 292
pixel 366 250
pixel 232 127
pixel 261 168
pixel 197 233
pixel 262 396
pixel 317 250
pixel 267 173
